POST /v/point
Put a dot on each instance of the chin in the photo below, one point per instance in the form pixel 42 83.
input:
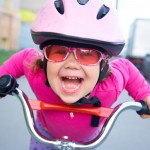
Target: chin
pixel 69 100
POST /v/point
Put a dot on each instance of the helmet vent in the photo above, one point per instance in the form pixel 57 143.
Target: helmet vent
pixel 82 2
pixel 102 12
pixel 59 6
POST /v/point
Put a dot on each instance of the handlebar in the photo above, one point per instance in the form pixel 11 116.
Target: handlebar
pixel 8 85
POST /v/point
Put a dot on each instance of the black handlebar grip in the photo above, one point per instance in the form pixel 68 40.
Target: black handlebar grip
pixel 145 109
pixel 7 84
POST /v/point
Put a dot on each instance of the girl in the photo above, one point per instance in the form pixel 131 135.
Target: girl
pixel 77 37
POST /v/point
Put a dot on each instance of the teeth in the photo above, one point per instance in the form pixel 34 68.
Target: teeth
pixel 71 84
pixel 72 78
pixel 70 90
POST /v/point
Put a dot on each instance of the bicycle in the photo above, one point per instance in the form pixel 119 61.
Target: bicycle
pixel 9 85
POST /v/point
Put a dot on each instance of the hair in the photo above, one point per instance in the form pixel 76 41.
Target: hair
pixel 37 64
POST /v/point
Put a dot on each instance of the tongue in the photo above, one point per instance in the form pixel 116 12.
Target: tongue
pixel 71 83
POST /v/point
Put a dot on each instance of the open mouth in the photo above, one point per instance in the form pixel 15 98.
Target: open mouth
pixel 71 84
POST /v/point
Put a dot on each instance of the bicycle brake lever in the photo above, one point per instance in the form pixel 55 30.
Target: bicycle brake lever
pixel 8 84
pixel 144 109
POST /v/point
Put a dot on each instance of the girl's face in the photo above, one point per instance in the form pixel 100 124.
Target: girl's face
pixel 71 80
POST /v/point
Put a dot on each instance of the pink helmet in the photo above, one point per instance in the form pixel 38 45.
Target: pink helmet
pixel 87 23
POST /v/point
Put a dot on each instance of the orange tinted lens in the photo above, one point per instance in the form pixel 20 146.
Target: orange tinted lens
pixel 56 53
pixel 88 56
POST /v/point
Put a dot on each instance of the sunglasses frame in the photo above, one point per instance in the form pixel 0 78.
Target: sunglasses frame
pixel 71 49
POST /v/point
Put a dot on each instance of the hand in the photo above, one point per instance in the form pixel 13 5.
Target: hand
pixel 147 100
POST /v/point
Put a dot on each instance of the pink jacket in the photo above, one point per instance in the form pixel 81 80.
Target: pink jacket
pixel 124 76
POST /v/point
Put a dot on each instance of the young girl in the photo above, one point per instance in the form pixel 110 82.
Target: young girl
pixel 77 37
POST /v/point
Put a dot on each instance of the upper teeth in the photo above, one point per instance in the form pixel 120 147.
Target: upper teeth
pixel 73 78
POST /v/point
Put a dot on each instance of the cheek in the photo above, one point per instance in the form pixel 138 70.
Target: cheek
pixel 93 74
pixel 52 72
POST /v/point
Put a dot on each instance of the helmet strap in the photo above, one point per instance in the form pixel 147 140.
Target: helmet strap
pixel 95 103
pixel 45 71
pixel 103 70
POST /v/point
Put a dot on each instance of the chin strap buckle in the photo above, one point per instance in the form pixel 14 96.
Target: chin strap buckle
pixel 96 103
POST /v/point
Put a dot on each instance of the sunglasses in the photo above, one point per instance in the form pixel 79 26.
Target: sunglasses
pixel 84 56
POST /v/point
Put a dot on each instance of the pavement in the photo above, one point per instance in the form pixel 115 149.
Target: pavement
pixel 130 132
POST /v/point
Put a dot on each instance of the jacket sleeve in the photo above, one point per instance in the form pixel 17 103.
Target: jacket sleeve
pixel 15 64
pixel 134 82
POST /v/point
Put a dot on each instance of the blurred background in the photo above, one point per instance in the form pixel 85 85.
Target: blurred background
pixel 16 17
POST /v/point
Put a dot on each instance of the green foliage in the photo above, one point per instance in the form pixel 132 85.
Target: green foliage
pixel 4 55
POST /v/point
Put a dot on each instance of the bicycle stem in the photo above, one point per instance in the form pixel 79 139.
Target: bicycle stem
pixel 69 145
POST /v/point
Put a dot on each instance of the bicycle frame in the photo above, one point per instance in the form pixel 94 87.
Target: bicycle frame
pixel 110 114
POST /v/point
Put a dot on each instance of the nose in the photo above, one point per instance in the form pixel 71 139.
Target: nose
pixel 71 62
pixel 71 57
